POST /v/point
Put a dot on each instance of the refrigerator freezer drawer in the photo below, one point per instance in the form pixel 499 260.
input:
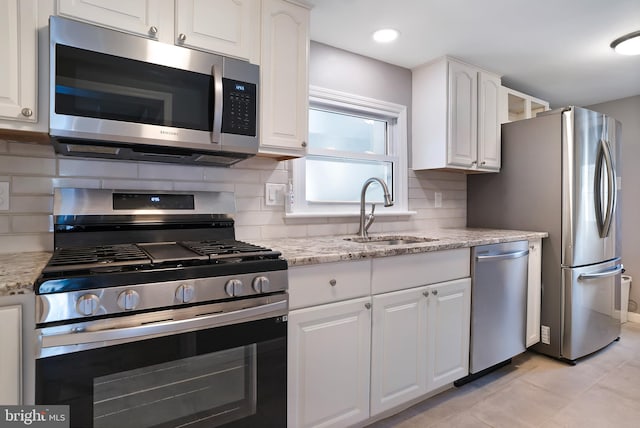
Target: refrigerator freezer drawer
pixel 592 295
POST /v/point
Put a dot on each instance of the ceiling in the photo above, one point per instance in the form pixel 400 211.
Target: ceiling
pixel 557 50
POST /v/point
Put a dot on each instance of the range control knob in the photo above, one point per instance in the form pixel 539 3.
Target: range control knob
pixel 185 293
pixel 233 287
pixel 87 304
pixel 128 300
pixel 261 284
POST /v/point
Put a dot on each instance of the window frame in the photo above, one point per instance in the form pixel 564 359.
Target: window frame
pixel 395 114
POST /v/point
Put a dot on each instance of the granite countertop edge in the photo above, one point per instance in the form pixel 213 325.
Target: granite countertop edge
pixel 328 249
pixel 19 271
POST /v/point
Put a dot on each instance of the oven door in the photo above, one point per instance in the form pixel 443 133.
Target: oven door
pixel 202 369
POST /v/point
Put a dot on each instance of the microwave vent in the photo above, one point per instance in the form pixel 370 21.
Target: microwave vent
pixel 95 150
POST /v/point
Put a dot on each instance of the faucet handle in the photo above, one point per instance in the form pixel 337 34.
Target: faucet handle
pixel 370 218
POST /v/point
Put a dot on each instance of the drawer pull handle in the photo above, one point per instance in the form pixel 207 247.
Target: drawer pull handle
pixel 333 282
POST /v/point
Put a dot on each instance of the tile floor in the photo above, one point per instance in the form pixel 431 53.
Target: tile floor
pixel 601 391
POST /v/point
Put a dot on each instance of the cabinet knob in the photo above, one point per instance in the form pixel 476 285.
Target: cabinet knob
pixel 367 305
pixel 304 144
pixel 425 293
pixel 182 37
pixel 333 282
pixel 483 162
pixel 474 163
pixel 434 292
pixel 153 30
pixel 27 112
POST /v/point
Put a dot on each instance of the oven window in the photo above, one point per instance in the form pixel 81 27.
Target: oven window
pixel 206 390
pixel 232 376
pixel 92 84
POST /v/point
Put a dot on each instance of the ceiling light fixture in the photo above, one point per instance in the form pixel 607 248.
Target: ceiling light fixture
pixel 385 35
pixel 628 44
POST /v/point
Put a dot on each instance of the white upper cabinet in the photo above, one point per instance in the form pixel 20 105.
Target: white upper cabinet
pixel 224 26
pixel 488 121
pixel 516 105
pixel 18 50
pixel 456 117
pixel 141 17
pixel 284 75
pixel 228 27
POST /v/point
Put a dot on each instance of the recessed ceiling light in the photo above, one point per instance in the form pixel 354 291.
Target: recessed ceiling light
pixel 628 44
pixel 385 35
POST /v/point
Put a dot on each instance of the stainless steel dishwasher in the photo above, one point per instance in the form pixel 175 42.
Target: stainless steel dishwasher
pixel 498 304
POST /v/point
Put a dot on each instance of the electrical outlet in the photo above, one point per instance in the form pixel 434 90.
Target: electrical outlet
pixel 4 196
pixel 437 199
pixel 274 194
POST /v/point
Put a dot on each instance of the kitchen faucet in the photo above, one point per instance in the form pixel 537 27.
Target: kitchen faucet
pixel 362 232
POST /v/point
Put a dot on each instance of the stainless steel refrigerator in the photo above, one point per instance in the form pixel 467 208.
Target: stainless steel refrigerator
pixel 559 175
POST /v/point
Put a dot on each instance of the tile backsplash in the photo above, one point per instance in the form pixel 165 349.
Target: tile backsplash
pixel 34 170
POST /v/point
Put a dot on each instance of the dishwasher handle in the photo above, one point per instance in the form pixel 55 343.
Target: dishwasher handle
pixel 502 256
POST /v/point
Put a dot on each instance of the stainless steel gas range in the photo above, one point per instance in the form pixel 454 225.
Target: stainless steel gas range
pixel 151 314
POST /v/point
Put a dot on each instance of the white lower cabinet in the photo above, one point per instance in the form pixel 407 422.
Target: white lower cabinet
pixel 329 362
pixel 398 348
pixel 11 355
pixel 448 332
pixel 420 341
pixel 534 292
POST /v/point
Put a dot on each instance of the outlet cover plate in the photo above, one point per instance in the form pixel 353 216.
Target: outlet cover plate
pixel 274 194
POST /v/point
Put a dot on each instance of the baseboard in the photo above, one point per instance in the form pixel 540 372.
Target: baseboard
pixel 633 317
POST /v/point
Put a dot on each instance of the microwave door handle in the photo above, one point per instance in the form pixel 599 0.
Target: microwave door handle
pixel 216 73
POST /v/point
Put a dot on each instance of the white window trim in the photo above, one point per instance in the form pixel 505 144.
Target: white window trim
pixel 344 101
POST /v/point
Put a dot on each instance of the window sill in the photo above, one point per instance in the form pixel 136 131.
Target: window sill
pixel 351 214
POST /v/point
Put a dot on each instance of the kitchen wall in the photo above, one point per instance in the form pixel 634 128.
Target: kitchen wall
pixel 627 111
pixel 33 171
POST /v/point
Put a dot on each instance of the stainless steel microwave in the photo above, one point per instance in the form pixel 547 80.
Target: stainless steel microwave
pixel 121 96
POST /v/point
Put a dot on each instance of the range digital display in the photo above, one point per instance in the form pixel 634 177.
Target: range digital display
pixel 157 201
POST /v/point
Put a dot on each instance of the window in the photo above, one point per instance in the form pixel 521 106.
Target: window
pixel 351 139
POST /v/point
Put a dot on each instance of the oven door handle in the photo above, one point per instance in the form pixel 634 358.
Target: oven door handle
pixel 165 328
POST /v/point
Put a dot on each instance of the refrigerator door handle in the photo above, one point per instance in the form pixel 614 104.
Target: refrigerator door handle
pixel 602 274
pixel 502 256
pixel 604 154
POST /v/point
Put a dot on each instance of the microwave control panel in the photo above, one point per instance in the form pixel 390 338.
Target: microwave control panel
pixel 239 112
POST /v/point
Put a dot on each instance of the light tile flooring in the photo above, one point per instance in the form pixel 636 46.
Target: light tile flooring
pixel 601 391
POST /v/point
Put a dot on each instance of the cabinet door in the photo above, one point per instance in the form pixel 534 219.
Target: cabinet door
pixel 463 115
pixel 228 27
pixel 18 50
pixel 449 317
pixel 284 76
pixel 398 348
pixel 141 17
pixel 488 122
pixel 534 290
pixel 328 364
pixel 10 355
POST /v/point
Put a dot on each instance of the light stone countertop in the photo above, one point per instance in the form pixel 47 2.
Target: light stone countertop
pixel 19 271
pixel 326 249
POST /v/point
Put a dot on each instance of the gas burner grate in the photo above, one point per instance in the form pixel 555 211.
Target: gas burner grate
pixel 101 255
pixel 221 249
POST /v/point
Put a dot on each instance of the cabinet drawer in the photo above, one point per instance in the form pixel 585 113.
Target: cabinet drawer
pixel 328 282
pixel 400 272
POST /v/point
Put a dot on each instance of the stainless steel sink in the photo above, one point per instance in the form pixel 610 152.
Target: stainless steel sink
pixel 390 240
